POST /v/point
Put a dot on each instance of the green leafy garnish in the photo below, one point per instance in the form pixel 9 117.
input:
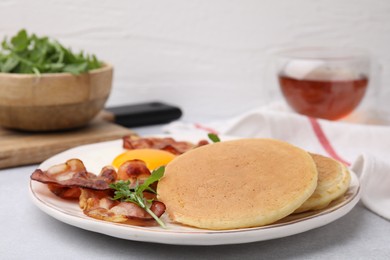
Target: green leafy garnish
pixel 29 54
pixel 123 192
pixel 214 137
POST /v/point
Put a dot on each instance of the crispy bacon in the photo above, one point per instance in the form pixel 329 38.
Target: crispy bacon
pixel 71 180
pixel 134 170
pixel 167 144
pixel 68 193
pixel 131 210
pixel 73 174
pixel 99 206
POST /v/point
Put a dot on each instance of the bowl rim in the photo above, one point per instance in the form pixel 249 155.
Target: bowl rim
pixel 105 67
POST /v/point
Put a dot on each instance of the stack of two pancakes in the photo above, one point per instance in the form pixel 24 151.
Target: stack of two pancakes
pixel 248 183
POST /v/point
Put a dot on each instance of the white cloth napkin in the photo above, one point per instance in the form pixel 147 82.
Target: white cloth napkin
pixel 365 147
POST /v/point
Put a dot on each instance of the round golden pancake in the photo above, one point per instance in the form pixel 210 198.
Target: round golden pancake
pixel 333 182
pixel 237 184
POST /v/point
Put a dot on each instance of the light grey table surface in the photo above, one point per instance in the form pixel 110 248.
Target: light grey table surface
pixel 28 233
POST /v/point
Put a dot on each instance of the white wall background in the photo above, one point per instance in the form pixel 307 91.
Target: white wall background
pixel 207 56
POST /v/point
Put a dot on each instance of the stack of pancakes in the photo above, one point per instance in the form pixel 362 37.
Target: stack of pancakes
pixel 248 183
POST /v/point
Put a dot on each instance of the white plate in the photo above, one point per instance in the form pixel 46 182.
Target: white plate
pixel 95 156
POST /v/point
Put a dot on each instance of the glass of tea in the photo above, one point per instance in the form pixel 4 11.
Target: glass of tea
pixel 324 83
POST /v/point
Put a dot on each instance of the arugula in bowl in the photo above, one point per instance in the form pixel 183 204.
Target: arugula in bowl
pixel 30 54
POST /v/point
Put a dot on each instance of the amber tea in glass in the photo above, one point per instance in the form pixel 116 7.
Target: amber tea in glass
pixel 322 82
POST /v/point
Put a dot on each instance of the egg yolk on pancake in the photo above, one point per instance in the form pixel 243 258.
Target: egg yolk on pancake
pixel 152 157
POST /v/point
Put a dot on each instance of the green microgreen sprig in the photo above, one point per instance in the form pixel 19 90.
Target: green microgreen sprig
pixel 123 192
pixel 214 137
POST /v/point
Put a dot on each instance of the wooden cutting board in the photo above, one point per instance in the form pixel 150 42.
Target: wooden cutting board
pixel 24 148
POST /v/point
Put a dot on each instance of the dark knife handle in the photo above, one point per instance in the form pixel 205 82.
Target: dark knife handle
pixel 143 114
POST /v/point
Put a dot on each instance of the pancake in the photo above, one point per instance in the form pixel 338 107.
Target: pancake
pixel 237 184
pixel 333 182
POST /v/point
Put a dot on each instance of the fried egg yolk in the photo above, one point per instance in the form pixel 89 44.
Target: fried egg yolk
pixel 153 158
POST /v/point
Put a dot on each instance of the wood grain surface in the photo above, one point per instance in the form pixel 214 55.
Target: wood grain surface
pixel 24 148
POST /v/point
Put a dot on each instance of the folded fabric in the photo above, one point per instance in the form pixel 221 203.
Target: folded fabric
pixel 367 146
pixel 374 173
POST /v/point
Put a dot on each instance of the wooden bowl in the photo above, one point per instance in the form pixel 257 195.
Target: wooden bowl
pixel 53 101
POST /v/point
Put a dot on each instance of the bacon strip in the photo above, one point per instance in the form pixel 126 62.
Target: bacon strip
pixel 73 174
pixel 99 206
pixel 168 144
pixel 134 171
pixel 71 180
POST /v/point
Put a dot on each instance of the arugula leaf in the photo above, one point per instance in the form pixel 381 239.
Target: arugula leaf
pixel 20 41
pixel 135 195
pixel 4 44
pixel 155 176
pixel 76 68
pixel 26 53
pixel 214 137
pixel 9 64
